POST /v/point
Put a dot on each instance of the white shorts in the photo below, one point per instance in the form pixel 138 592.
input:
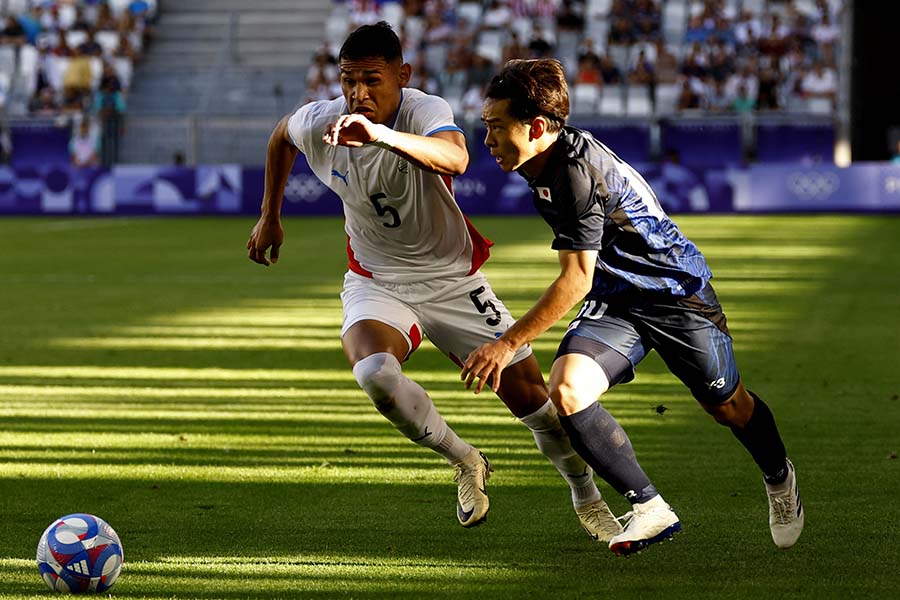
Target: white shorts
pixel 457 315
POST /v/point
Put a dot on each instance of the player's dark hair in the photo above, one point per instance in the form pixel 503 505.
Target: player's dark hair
pixel 372 41
pixel 534 88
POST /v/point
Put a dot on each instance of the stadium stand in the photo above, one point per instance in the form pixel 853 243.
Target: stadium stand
pixel 219 73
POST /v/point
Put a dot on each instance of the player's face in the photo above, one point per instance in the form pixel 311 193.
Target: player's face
pixel 508 139
pixel 372 86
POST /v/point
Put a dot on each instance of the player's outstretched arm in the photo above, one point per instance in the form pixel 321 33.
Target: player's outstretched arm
pixel 443 153
pixel 574 281
pixel 268 232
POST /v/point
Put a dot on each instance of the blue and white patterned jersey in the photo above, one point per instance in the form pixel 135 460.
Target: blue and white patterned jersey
pixel 593 200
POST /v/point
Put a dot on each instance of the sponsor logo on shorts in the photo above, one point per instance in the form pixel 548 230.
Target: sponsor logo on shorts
pixel 718 384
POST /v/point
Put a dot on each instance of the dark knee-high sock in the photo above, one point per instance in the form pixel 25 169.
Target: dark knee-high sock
pixel 603 444
pixel 761 438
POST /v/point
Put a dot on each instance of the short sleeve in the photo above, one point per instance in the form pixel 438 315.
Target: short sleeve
pixel 582 214
pixel 298 126
pixel 432 114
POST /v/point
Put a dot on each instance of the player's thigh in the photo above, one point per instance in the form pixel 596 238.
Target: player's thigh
pixel 466 316
pixel 696 346
pixel 375 321
pixel 605 335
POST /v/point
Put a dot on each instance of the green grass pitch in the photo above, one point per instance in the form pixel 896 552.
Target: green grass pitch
pixel 152 375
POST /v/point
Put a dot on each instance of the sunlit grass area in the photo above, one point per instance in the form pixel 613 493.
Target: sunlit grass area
pixel 201 404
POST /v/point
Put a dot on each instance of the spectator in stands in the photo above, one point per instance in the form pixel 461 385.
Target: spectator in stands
pixel 666 64
pixel 90 46
pixel 81 22
pixel 588 71
pixel 109 106
pixel 745 77
pixel 642 71
pixel 125 49
pixel 696 32
pixel 497 16
pixel 323 68
pixel 647 17
pixel 821 82
pixel 6 145
pixel 588 50
pixel 105 21
pixel 539 46
pixel 696 62
pixel 109 78
pixel 78 76
pixel 570 16
pixel 422 79
pixel 609 70
pixel 774 38
pixel 84 147
pixel 363 12
pixel 514 48
pixel 744 102
pixel 44 102
pixel 687 98
pixel 718 100
pixel 721 61
pixel 769 82
pixel 13 33
pixel 62 44
pixel 825 34
pixel 49 17
pixel 747 30
pixel 723 32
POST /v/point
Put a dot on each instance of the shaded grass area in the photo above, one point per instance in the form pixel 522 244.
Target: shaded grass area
pixel 201 404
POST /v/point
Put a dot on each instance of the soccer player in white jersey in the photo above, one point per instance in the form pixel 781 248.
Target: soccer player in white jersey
pixel 390 153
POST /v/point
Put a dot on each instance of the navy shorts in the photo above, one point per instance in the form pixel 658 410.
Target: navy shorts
pixel 690 334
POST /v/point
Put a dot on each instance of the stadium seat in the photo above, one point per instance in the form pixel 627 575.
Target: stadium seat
pixel 75 37
pixel 109 40
pixel 584 98
pixel 819 106
pixel 470 11
pixel 392 12
pixel 612 101
pixel 667 98
pixel 124 69
pixel 674 21
pixel 637 101
pixel 16 7
pixel 490 45
pixel 7 59
pixel 28 61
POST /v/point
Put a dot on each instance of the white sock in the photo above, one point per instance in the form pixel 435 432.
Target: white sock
pixel 407 406
pixel 553 442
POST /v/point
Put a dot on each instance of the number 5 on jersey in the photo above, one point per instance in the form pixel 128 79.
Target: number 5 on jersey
pixel 383 210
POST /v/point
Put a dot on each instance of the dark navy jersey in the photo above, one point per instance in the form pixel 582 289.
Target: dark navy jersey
pixel 593 200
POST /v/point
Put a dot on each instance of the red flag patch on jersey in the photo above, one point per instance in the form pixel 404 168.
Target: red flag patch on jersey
pixel 543 193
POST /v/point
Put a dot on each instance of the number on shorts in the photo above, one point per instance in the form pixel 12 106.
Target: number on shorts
pixel 484 306
pixel 385 210
pixel 591 309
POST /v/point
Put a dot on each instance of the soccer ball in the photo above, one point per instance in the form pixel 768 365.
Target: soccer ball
pixel 79 553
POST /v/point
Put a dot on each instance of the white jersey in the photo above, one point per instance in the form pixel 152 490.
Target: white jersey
pixel 403 224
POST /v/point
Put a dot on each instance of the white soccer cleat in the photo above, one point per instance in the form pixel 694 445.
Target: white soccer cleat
pixel 785 510
pixel 650 522
pixel 598 521
pixel 472 474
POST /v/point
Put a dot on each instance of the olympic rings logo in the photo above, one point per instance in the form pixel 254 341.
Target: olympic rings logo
pixel 813 185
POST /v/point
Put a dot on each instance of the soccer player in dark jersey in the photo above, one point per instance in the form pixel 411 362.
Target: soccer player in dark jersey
pixel 645 287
